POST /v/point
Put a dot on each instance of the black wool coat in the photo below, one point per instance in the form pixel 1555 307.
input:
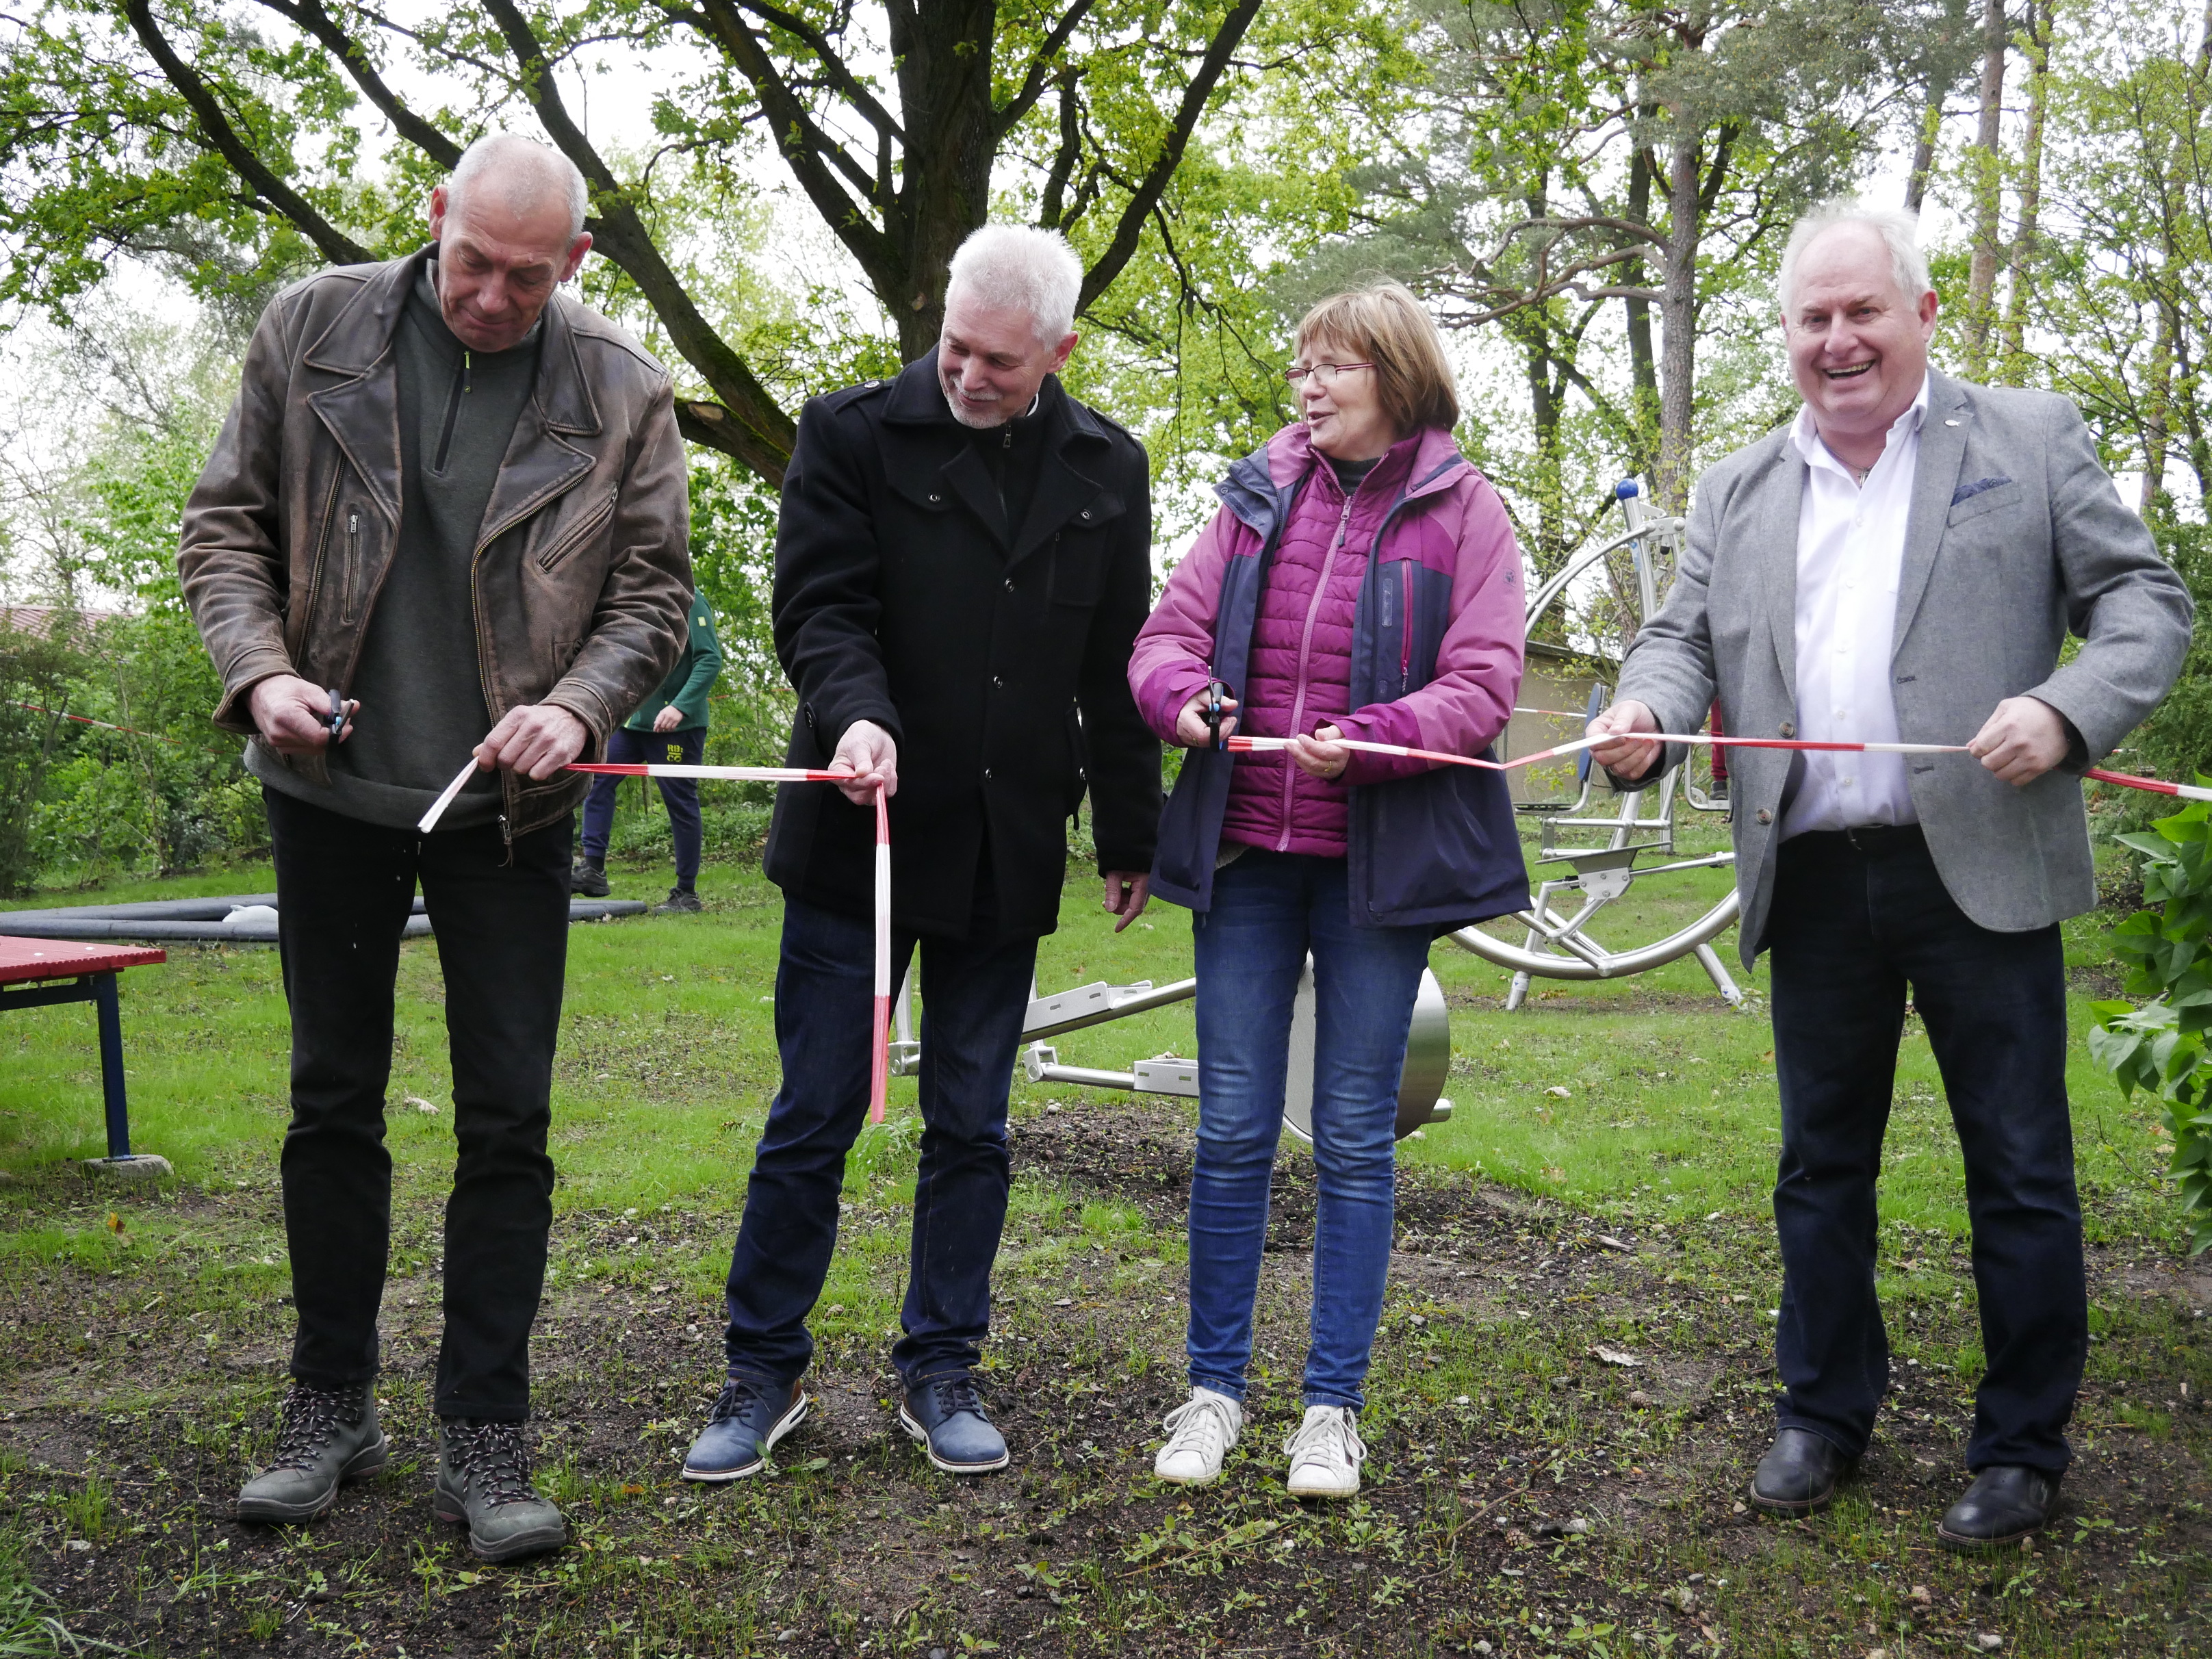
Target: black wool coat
pixel 998 658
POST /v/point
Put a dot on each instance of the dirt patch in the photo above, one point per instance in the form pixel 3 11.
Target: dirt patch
pixel 1562 1413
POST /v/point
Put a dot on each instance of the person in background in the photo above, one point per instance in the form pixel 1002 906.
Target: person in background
pixel 670 726
pixel 1359 581
pixel 1903 562
pixel 448 516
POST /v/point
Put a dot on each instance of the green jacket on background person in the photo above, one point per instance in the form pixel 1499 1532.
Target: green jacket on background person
pixel 690 680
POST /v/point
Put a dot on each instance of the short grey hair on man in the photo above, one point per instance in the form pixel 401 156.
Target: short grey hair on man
pixel 1898 230
pixel 1015 268
pixel 522 174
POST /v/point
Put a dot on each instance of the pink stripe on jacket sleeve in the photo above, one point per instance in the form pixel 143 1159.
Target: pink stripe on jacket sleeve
pixel 1463 709
pixel 1170 662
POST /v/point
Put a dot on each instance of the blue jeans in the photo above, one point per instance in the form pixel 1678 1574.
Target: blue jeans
pixel 684 745
pixel 975 994
pixel 1269 910
pixel 1852 930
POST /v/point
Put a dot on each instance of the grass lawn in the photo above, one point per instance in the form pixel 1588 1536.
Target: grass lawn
pixel 1602 1181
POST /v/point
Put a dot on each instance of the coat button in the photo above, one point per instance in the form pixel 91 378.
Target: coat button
pixel 1010 584
pixel 1765 816
pixel 1085 515
pixel 1789 730
pixel 987 775
pixel 997 684
pixel 934 498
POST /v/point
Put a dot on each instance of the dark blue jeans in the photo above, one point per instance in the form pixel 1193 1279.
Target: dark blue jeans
pixel 685 746
pixel 1852 930
pixel 1269 910
pixel 973 996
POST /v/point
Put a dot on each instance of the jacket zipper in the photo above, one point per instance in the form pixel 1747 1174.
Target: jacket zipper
pixel 461 387
pixel 1305 650
pixel 1406 634
pixel 353 562
pixel 586 524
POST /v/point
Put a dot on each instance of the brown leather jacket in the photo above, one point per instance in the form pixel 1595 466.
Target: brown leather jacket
pixel 583 570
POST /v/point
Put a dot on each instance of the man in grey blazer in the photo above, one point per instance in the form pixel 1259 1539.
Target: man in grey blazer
pixel 1903 563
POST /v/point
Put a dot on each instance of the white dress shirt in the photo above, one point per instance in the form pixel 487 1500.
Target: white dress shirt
pixel 1851 549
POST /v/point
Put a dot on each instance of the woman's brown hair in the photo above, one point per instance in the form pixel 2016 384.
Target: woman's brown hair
pixel 1384 324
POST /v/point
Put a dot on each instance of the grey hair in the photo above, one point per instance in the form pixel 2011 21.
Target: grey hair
pixel 523 172
pixel 1015 268
pixel 1899 232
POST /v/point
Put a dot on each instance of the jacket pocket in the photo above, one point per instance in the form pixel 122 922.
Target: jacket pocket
pixel 349 582
pixel 1079 569
pixel 1994 500
pixel 587 523
pixel 1079 759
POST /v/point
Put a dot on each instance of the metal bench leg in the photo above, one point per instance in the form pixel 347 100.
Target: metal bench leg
pixel 111 1064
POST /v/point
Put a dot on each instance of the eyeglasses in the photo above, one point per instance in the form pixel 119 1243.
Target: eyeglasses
pixel 1323 374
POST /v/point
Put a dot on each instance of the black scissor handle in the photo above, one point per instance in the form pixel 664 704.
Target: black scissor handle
pixel 1215 690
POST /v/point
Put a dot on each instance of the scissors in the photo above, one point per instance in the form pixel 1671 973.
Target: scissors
pixel 338 713
pixel 1215 690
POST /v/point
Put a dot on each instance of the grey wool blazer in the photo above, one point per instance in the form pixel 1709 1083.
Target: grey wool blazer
pixel 2015 538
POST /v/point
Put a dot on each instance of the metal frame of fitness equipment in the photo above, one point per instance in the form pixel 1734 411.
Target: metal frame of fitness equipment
pixel 1421 1081
pixel 1558 945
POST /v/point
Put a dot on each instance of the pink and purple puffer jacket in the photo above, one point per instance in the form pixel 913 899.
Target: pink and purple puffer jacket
pixel 1395 614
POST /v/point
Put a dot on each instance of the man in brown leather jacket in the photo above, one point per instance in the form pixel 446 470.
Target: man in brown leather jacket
pixel 448 516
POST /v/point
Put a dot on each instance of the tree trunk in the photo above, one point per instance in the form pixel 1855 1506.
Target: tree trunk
pixel 1923 147
pixel 2013 365
pixel 2158 392
pixel 943 54
pixel 1985 181
pixel 1643 362
pixel 1678 324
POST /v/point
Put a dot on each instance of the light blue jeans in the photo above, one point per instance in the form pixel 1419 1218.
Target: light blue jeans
pixel 1269 910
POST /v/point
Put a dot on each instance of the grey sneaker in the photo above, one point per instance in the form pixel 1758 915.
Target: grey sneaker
pixel 324 1437
pixel 680 902
pixel 483 1480
pixel 587 878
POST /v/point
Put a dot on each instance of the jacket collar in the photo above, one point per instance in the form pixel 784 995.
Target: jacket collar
pixel 916 403
pixel 1259 487
pixel 361 411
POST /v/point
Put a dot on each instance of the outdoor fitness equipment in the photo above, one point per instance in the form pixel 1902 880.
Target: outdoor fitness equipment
pixel 1420 1083
pixel 1558 944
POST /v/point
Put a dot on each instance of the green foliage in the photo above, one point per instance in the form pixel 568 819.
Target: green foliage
pixel 2159 1045
pixel 38 681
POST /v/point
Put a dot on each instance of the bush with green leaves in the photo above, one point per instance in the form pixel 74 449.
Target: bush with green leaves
pixel 2158 1044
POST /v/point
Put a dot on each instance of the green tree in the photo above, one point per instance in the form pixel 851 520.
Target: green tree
pixel 160 128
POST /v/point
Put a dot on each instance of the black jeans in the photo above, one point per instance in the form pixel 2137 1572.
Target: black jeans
pixel 686 744
pixel 974 994
pixel 344 891
pixel 1853 924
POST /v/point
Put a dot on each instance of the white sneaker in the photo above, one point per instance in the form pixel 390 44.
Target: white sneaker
pixel 1325 1454
pixel 1200 1434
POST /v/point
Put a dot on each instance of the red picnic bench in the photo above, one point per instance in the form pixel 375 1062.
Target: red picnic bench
pixel 31 972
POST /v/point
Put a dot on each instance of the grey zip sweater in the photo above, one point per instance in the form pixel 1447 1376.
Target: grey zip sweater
pixel 421 689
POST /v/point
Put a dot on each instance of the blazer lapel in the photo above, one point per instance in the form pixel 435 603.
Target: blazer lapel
pixel 1774 525
pixel 1935 477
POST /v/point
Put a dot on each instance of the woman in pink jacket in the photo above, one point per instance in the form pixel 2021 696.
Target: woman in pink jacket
pixel 1360 580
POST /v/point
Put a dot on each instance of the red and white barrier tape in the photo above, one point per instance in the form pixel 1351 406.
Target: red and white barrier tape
pixel 2125 780
pixel 879 1067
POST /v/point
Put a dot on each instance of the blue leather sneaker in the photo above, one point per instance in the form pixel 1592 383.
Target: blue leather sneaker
pixel 749 1417
pixel 944 1414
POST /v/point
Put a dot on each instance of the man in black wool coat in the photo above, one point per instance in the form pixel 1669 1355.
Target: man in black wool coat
pixel 964 560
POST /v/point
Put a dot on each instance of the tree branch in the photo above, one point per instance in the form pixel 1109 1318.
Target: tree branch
pixel 1195 97
pixel 310 17
pixel 840 76
pixel 803 145
pixel 336 246
pixel 753 429
pixel 1040 71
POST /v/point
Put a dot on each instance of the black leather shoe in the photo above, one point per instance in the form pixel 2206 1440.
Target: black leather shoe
pixel 1799 1474
pixel 2007 1501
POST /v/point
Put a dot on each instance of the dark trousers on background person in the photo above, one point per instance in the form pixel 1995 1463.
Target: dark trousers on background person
pixel 344 891
pixel 1859 916
pixel 975 994
pixel 685 746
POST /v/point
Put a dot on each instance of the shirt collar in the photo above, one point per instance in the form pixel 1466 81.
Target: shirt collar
pixel 1806 436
